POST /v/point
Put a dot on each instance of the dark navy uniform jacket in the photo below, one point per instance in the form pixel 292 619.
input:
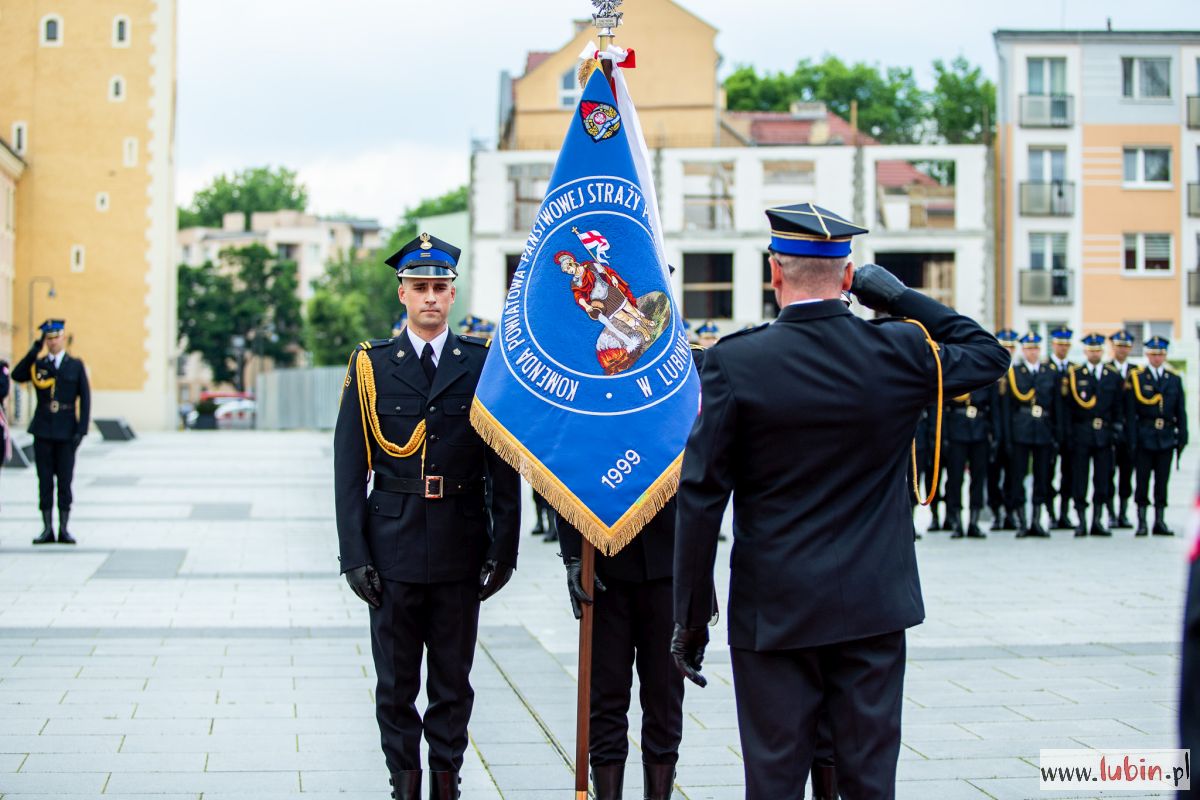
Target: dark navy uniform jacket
pixel 1160 424
pixel 1099 425
pixel 55 416
pixel 972 418
pixel 1035 421
pixel 404 535
pixel 809 422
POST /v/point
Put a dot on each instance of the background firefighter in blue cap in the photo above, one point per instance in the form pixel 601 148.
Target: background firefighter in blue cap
pixel 1124 468
pixel 60 421
pixel 999 502
pixel 1096 414
pixel 1032 430
pixel 1063 463
pixel 438 532
pixel 1161 430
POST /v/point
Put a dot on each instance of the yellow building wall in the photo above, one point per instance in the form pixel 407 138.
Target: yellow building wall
pixel 674 84
pixel 76 150
pixel 1109 211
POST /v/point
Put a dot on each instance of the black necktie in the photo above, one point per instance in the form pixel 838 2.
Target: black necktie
pixel 427 362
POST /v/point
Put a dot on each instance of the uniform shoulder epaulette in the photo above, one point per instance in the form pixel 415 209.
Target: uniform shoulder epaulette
pixel 1167 368
pixel 372 343
pixel 695 346
pixel 1111 368
pixel 479 341
pixel 742 332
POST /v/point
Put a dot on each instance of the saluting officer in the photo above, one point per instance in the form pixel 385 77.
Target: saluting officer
pixel 1062 461
pixel 60 421
pixel 970 435
pixel 1160 410
pixel 998 500
pixel 824 575
pixel 438 533
pixel 1031 432
pixel 1096 418
pixel 1121 343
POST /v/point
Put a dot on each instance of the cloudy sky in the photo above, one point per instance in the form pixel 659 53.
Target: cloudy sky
pixel 376 102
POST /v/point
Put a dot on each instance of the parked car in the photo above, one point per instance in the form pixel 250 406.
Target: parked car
pixel 236 414
pixel 221 399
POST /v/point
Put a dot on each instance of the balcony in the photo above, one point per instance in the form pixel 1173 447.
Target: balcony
pixel 1048 199
pixel 1194 199
pixel 1194 287
pixel 1040 287
pixel 1193 111
pixel 1047 110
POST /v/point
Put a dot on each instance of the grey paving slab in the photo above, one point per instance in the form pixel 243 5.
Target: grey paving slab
pixel 125 564
pixel 204 782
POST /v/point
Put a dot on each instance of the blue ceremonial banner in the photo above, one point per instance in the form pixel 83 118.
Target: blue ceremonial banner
pixel 590 391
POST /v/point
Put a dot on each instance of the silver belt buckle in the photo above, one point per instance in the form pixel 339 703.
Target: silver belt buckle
pixel 1097 423
pixel 54 406
pixel 972 412
pixel 1036 411
pixel 433 487
pixel 1159 424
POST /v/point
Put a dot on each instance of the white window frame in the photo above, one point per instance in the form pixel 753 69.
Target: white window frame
pixel 1047 238
pixel 117 41
pixel 10 209
pixel 102 202
pixel 1136 88
pixel 78 258
pixel 1147 328
pixel 1141 271
pixel 129 151
pixel 20 137
pixel 569 98
pixel 42 40
pixel 117 89
pixel 1047 163
pixel 1139 181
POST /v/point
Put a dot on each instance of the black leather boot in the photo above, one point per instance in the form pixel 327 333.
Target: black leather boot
pixel 934 525
pixel 954 523
pixel 1123 516
pixel 608 779
pixel 973 529
pixel 1160 522
pixel 1142 529
pixel 47 534
pixel 1021 525
pixel 1098 528
pixel 406 785
pixel 443 785
pixel 1081 526
pixel 1063 522
pixel 824 782
pixel 63 536
pixel 658 781
pixel 1035 527
pixel 1010 520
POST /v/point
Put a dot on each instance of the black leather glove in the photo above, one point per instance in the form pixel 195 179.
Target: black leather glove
pixel 876 288
pixel 575 586
pixel 687 648
pixel 365 583
pixel 492 578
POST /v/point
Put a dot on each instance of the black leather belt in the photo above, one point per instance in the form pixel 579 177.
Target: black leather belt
pixel 431 487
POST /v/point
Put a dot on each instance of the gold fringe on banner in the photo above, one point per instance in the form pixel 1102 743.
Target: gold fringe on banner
pixel 608 540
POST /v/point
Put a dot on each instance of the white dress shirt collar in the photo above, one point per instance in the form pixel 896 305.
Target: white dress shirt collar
pixel 57 359
pixel 438 343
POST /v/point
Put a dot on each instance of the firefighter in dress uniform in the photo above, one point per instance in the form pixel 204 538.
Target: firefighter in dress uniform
pixel 971 434
pixel 999 502
pixel 1031 433
pixel 1062 463
pixel 1096 416
pixel 1124 468
pixel 1160 432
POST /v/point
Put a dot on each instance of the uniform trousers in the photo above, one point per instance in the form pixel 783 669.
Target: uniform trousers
pixel 439 621
pixel 959 455
pixel 1065 464
pixel 55 459
pixel 1123 474
pixel 779 694
pixel 1018 467
pixel 1084 458
pixel 998 497
pixel 633 626
pixel 1155 463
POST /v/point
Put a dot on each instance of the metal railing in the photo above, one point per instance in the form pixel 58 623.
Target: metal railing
pixel 1048 198
pixel 1047 110
pixel 1194 199
pixel 1193 287
pixel 1193 111
pixel 1047 286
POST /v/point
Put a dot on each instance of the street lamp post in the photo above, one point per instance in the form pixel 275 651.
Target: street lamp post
pixel 34 280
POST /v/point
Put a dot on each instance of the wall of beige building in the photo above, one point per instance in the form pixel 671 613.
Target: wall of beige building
pixel 11 168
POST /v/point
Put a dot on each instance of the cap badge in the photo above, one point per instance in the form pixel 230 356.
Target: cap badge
pixel 425 243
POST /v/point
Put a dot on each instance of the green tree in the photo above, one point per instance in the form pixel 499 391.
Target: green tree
pixel 254 189
pixel 448 203
pixel 961 101
pixel 250 295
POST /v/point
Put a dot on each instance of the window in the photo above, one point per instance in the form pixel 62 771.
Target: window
pixel 1047 76
pixel 19 138
pixel 1047 164
pixel 1147 252
pixel 120 36
pixel 116 89
pixel 286 251
pixel 708 195
pixel 1048 251
pixel 130 151
pixel 708 285
pixel 102 201
pixel 568 89
pixel 527 185
pixel 1147 165
pixel 789 173
pixel 77 258
pixel 1146 78
pixel 770 308
pixel 1141 330
pixel 51 30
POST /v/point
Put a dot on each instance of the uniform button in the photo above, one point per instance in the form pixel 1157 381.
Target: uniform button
pixel 433 466
pixel 433 437
pixel 397 408
pixel 432 409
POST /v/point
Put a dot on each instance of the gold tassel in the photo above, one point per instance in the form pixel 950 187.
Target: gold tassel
pixel 586 68
pixel 608 540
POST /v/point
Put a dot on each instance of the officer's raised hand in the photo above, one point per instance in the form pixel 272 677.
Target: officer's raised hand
pixel 876 288
pixel 492 578
pixel 365 583
pixel 575 585
pixel 687 648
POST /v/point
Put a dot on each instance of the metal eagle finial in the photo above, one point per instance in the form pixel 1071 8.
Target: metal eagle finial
pixel 607 16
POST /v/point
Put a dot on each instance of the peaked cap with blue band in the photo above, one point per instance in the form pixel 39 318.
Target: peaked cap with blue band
pixel 1093 341
pixel 1062 334
pixel 52 327
pixel 1156 344
pixel 1007 335
pixel 1122 337
pixel 425 257
pixel 808 230
pixel 1031 338
pixel 708 327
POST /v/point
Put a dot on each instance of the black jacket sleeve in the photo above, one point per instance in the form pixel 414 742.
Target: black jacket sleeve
pixel 506 510
pixel 23 371
pixel 85 401
pixel 5 380
pixel 350 473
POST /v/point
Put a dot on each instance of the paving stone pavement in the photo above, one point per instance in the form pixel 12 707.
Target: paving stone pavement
pixel 198 644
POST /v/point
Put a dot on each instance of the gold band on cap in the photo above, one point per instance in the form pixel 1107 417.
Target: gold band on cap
pixel 808 237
